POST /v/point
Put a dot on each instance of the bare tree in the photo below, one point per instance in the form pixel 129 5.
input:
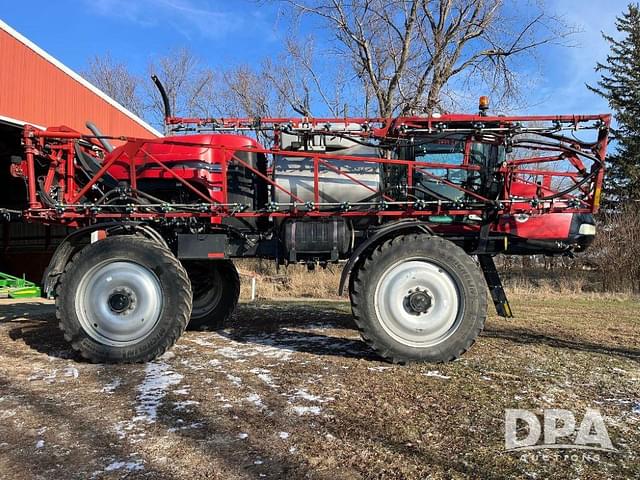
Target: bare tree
pixel 412 54
pixel 114 79
pixel 288 83
pixel 189 85
pixel 246 92
pixel 303 81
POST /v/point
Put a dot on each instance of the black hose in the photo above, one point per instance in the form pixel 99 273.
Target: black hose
pixel 163 94
pixel 103 141
pixel 571 188
pixel 44 196
pixel 531 143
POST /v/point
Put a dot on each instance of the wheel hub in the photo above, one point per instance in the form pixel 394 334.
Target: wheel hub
pixel 122 301
pixel 418 301
pixel 207 292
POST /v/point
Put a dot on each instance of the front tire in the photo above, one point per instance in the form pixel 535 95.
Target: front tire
pixel 124 299
pixel 419 298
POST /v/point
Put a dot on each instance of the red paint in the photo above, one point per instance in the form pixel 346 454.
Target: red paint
pixel 34 90
pixel 199 162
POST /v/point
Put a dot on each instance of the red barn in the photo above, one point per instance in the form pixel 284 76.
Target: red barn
pixel 36 88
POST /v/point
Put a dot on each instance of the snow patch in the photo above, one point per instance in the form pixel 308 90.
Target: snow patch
pixel 378 369
pixel 304 394
pixel 184 405
pixel 237 381
pixel 191 365
pixel 167 356
pixel 47 376
pixel 278 346
pixel 186 427
pixel 202 342
pixel 264 375
pixel 256 400
pixel 136 466
pixel 302 410
pixel 158 378
pixel 71 372
pixel 283 435
pixel 436 374
pixel 110 387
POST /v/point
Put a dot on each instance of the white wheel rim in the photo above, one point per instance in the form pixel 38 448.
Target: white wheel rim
pixel 118 303
pixel 417 303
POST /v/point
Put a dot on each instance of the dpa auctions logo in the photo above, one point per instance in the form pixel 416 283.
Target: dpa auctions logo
pixel 558 425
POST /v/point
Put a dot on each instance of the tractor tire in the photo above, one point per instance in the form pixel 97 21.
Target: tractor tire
pixel 216 289
pixel 124 299
pixel 419 298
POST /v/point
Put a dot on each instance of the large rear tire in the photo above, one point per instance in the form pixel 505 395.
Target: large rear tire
pixel 419 298
pixel 216 289
pixel 124 299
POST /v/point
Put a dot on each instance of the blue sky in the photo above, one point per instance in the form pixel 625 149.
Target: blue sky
pixel 245 31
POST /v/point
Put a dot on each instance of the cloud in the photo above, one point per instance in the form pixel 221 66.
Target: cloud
pixel 185 16
pixel 567 70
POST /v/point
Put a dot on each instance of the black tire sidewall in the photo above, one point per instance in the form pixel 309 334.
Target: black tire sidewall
pixel 230 285
pixel 173 285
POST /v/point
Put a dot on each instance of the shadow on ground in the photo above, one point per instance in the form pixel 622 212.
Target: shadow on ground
pixel 527 337
pixel 317 328
pixel 40 311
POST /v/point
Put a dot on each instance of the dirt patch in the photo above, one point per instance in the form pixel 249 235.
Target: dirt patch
pixel 290 391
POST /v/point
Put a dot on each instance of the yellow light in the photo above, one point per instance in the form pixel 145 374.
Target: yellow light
pixel 483 102
pixel 596 198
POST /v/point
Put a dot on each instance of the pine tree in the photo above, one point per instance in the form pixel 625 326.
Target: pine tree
pixel 620 84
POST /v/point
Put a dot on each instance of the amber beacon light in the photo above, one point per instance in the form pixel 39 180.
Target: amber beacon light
pixel 483 104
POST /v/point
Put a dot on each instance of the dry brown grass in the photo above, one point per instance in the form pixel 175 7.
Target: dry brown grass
pixel 296 281
pixel 616 250
pixel 292 281
pixel 225 402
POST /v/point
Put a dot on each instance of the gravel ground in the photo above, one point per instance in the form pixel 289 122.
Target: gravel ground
pixel 290 391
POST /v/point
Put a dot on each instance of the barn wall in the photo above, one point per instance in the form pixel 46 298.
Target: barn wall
pixel 37 91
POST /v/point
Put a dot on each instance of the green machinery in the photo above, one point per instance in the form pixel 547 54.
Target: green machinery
pixel 16 287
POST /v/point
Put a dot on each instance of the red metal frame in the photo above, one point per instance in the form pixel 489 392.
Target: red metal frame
pixel 519 195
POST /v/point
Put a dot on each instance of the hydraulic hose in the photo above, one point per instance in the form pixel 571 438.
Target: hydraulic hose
pixel 103 141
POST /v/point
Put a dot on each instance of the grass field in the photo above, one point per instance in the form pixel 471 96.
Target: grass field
pixel 289 391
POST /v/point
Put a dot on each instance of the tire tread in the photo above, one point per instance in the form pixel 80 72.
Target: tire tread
pixel 177 329
pixel 357 298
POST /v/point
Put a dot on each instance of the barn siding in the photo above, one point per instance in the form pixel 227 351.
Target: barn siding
pixel 35 90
